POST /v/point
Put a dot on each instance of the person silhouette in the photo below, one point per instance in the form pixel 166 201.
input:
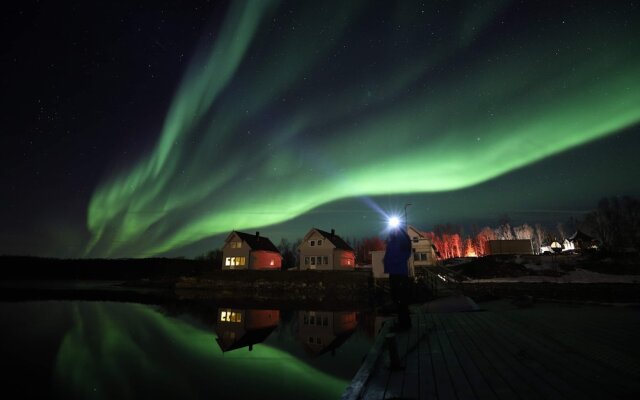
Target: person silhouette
pixel 398 251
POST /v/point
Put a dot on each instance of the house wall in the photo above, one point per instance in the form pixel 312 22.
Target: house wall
pixel 261 259
pixel 258 319
pixel 228 252
pixel 377 266
pixel 324 249
pixel 343 259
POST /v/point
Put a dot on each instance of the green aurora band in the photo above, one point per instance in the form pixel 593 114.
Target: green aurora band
pixel 285 111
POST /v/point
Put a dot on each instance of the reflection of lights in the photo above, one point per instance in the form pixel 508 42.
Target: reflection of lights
pixel 394 222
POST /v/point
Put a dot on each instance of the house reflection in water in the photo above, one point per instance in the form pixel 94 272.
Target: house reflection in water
pixel 321 332
pixel 244 328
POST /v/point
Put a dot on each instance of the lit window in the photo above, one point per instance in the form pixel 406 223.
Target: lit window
pixel 272 262
pixel 312 243
pixel 236 245
pixel 233 261
pixel 230 316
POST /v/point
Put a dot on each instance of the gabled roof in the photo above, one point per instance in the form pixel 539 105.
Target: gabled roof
pixel 334 239
pixel 579 235
pixel 256 242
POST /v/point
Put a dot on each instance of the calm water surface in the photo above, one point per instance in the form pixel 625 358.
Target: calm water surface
pixel 80 349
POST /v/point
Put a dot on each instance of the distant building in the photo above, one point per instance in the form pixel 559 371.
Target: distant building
pixel 323 250
pixel 422 249
pixel 517 246
pixel 244 328
pixel 246 251
pixel 580 241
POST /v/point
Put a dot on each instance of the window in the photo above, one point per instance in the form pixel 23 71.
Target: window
pixel 313 261
pixel 311 339
pixel 312 243
pixel 325 260
pixel 230 316
pixel 236 245
pixel 272 262
pixel 318 340
pixel 306 261
pixel 325 321
pixel 235 261
pixel 420 257
pixel 319 242
pixel 319 260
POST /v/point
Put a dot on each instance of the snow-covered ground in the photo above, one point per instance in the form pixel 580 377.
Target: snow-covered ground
pixel 577 276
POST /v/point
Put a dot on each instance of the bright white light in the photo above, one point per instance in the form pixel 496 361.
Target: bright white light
pixel 394 222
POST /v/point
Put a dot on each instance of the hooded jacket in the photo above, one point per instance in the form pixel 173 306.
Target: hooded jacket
pixel 397 253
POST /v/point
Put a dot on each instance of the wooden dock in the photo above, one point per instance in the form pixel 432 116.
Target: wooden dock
pixel 548 351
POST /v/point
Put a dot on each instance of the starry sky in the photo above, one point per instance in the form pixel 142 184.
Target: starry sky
pixel 142 128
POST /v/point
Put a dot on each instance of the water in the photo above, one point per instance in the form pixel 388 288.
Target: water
pixel 81 349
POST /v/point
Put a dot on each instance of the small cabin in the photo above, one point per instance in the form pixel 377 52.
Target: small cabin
pixel 246 251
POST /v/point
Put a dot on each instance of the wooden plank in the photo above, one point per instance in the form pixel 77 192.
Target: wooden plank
pixel 502 380
pixel 564 362
pixel 477 381
pixel 443 382
pixel 611 350
pixel 494 380
pixel 535 374
pixel 427 375
pixel 396 376
pixel 411 383
pixel 598 362
pixel 461 385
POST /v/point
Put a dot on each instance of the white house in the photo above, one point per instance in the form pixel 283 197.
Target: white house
pixel 323 250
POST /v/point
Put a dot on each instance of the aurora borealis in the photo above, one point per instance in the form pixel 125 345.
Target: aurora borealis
pixel 286 107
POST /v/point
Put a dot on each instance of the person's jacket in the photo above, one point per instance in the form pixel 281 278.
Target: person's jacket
pixel 397 253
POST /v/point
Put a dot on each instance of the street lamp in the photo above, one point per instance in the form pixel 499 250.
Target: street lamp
pixel 405 214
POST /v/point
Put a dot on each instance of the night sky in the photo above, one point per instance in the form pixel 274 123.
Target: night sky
pixel 133 128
